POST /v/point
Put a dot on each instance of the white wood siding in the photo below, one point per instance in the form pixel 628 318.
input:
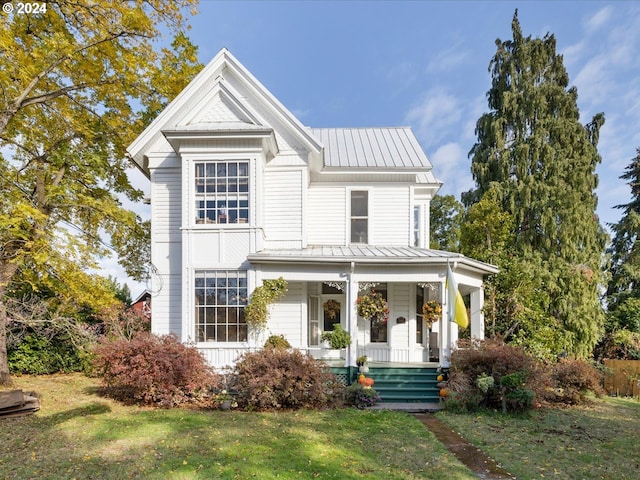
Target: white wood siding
pixel 219 249
pixel 288 315
pixel 167 305
pixel 390 217
pixel 326 215
pixel 166 193
pixel 282 194
pixel 166 252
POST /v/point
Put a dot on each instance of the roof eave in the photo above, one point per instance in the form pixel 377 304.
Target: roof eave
pixel 470 263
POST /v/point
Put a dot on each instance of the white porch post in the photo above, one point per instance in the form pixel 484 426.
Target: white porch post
pixel 477 314
pixel 445 328
pixel 352 319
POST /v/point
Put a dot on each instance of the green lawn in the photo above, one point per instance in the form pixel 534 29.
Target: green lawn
pixel 78 434
pixel 599 441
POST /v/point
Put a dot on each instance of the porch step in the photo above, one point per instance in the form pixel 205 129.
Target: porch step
pixel 399 385
pixel 406 384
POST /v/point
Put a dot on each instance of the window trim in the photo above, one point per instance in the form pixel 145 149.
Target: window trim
pixel 238 307
pixel 350 216
pixel 226 197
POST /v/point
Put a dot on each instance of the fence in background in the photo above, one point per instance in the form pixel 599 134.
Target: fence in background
pixel 622 378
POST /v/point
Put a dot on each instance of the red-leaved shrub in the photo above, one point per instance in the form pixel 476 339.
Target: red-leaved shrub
pixel 574 379
pixel 282 379
pixel 474 359
pixel 154 370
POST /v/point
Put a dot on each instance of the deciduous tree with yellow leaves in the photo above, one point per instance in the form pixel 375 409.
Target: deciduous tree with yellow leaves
pixel 78 82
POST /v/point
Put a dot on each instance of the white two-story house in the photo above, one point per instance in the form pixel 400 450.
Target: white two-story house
pixel 241 191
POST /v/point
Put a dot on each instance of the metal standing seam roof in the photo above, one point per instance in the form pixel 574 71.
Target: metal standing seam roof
pixel 366 254
pixel 393 147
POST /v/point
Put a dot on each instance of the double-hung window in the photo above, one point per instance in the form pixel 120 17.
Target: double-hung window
pixel 220 298
pixel 222 191
pixel 359 216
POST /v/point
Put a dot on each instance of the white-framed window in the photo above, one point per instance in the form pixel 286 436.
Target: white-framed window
pixel 359 216
pixel 222 191
pixel 220 298
pixel 416 226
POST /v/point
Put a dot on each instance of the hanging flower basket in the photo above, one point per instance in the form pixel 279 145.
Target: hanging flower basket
pixel 373 307
pixel 431 312
pixel 331 308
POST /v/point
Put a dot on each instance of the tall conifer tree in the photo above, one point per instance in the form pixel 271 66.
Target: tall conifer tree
pixel 623 293
pixel 541 160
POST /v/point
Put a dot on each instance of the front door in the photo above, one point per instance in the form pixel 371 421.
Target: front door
pixel 325 311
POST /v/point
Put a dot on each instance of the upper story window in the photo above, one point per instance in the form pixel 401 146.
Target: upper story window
pixel 222 192
pixel 359 216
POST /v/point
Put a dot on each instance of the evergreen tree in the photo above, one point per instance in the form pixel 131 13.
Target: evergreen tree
pixel 444 226
pixel 542 161
pixel 623 292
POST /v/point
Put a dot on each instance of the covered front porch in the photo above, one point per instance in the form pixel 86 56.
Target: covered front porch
pixel 326 283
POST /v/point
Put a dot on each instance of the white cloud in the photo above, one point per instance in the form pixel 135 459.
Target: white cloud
pixel 452 166
pixel 599 19
pixel 448 60
pixel 593 80
pixel 435 115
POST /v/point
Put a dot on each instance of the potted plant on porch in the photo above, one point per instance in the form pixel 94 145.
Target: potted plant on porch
pixel 361 362
pixel 337 339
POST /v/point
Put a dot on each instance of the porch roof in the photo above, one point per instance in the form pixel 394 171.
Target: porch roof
pixel 369 254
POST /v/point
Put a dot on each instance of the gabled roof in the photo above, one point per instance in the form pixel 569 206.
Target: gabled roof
pixel 211 80
pixel 395 147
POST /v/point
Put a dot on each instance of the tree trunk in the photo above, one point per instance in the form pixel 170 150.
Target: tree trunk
pixel 5 376
pixel 7 271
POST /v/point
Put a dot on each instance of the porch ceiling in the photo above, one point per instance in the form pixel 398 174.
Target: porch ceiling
pixel 369 254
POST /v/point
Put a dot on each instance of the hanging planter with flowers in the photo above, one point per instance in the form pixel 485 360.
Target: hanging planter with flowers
pixel 332 309
pixel 431 312
pixel 373 307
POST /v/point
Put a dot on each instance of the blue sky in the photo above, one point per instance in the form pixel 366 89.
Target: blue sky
pixel 425 64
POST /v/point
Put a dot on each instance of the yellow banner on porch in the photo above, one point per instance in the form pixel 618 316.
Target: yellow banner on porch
pixel 457 309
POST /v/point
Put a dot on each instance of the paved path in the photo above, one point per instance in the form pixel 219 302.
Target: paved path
pixel 483 466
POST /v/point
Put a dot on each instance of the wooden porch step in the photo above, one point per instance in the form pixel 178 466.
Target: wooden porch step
pixel 406 384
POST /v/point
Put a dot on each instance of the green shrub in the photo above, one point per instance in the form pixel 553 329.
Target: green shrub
pixel 155 370
pixel 38 355
pixel 338 338
pixel 515 397
pixel 284 379
pixel 277 341
pixel 361 396
pixel 257 310
pixel 574 380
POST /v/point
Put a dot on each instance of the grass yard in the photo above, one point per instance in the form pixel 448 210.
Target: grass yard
pixel 600 441
pixel 78 434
